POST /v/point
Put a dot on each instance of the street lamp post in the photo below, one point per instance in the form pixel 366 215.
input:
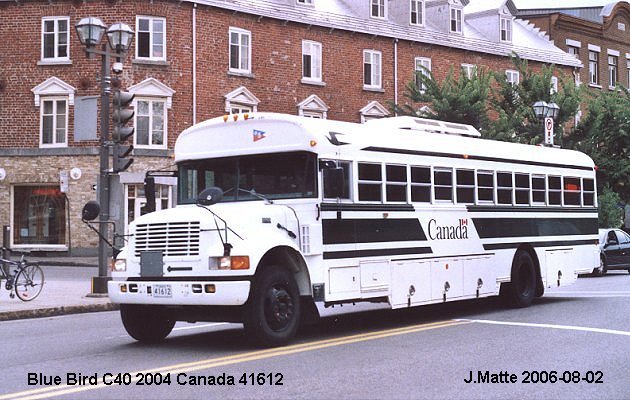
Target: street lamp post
pixel 547 112
pixel 90 31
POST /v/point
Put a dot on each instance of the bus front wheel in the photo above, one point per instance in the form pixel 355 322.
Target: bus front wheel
pixel 521 290
pixel 145 323
pixel 272 313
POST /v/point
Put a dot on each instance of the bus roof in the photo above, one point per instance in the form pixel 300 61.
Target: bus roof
pixel 257 133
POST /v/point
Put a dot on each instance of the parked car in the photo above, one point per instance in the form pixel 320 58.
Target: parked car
pixel 614 245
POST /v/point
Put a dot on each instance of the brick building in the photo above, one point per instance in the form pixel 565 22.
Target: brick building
pixel 193 60
pixel 599 36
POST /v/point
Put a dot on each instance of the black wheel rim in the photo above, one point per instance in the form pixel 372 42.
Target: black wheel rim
pixel 279 307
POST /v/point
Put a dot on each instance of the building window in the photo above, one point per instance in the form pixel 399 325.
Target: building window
pixel 54 122
pixel 456 20
pixel 150 38
pixel 575 51
pixel 423 66
pixel 55 44
pixel 150 123
pixel 506 30
pixel 240 50
pixel 469 70
pixel 39 216
pixel 305 1
pixel 378 8
pixel 373 110
pixel 593 67
pixel 554 85
pixel 241 100
pixel 372 69
pixel 136 199
pixel 417 12
pixel 313 107
pixel 513 77
pixel 613 62
pixel 240 109
pixel 311 61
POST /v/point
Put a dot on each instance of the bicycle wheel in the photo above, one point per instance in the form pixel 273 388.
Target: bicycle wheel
pixel 29 282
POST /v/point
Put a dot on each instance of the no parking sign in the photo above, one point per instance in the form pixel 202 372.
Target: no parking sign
pixel 549 130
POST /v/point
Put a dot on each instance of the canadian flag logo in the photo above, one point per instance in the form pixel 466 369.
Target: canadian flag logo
pixel 258 135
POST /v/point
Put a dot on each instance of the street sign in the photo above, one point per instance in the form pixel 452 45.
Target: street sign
pixel 549 131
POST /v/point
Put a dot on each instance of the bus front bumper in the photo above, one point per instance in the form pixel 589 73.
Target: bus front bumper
pixel 230 293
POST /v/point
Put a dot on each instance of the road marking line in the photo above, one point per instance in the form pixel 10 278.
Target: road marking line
pixel 47 392
pixel 552 326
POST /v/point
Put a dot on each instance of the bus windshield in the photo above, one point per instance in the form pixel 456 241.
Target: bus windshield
pixel 273 176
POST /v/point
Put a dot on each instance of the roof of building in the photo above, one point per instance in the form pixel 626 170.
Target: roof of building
pixel 527 41
pixel 589 10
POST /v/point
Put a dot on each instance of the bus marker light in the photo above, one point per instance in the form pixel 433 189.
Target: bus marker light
pixel 385 215
pixel 225 118
pixel 465 156
pixel 313 143
pixel 446 265
pixel 240 262
pixel 209 288
pixel 123 288
pixel 235 117
pixel 245 117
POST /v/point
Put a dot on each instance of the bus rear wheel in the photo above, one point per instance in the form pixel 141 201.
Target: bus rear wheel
pixel 272 313
pixel 520 292
pixel 145 323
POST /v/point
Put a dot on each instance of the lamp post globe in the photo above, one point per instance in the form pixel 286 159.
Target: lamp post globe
pixel 553 110
pixel 120 37
pixel 90 31
pixel 540 109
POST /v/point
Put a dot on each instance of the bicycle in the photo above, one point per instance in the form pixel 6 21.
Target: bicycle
pixel 24 278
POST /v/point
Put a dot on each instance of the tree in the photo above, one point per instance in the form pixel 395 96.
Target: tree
pixel 604 134
pixel 516 120
pixel 610 212
pixel 463 100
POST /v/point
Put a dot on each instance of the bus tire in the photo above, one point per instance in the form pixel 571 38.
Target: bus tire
pixel 145 323
pixel 272 312
pixel 520 292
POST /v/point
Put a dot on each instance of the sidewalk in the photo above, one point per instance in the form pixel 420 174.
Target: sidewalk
pixel 67 287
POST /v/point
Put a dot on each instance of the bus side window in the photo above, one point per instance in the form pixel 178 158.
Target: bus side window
pixel 571 192
pixel 421 184
pixel 588 194
pixel 538 189
pixel 465 186
pixel 504 187
pixel 443 183
pixel 370 181
pixel 554 190
pixel 485 186
pixel 521 184
pixel 396 186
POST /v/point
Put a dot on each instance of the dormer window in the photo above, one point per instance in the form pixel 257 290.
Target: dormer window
pixel 456 20
pixel 310 2
pixel 378 8
pixel 506 29
pixel 417 12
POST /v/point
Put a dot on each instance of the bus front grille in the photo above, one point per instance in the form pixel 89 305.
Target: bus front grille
pixel 174 239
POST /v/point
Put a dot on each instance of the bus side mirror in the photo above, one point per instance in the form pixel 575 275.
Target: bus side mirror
pixel 149 194
pixel 333 182
pixel 91 210
pixel 210 196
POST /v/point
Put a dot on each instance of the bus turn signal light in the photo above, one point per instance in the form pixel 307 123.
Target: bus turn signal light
pixel 234 262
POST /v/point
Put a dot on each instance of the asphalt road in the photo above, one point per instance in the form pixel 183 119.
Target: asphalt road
pixel 572 344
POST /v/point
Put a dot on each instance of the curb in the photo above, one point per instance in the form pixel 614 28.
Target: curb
pixel 54 311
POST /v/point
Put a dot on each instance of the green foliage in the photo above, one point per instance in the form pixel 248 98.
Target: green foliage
pixel 604 135
pixel 516 120
pixel 610 212
pixel 463 100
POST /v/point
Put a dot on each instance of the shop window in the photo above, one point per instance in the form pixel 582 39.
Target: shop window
pixel 39 216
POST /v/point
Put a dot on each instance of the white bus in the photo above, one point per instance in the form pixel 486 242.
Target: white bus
pixel 278 212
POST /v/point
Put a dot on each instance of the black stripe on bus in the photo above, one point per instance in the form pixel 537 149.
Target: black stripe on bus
pixel 338 231
pixel 473 157
pixel 334 255
pixel 518 227
pixel 489 209
pixel 366 207
pixel 556 243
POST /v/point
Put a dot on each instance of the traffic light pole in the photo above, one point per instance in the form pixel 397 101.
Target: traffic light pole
pixel 99 283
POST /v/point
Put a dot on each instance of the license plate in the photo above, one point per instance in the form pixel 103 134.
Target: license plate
pixel 162 291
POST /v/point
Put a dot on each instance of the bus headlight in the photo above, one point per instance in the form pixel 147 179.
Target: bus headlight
pixel 119 265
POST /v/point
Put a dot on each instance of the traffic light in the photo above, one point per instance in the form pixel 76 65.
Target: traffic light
pixel 121 116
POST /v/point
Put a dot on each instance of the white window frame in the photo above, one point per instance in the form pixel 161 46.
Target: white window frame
pixel 470 70
pixel 511 75
pixel 506 30
pixel 374 59
pixel 305 2
pixel 55 114
pixel 242 69
pixel 56 32
pixel 314 50
pixel 554 85
pixel 420 12
pixel 152 36
pixel 613 70
pixel 593 68
pixel 151 100
pixel 381 9
pixel 236 108
pixel 422 62
pixel 456 16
